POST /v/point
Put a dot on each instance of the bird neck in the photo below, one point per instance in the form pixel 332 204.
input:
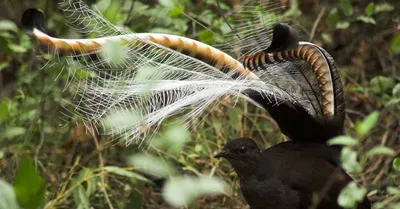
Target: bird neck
pixel 245 167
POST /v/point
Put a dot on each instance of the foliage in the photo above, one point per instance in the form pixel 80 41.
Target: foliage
pixel 77 169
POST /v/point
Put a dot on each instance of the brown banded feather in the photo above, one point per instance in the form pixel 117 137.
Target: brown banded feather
pixel 308 53
pixel 257 60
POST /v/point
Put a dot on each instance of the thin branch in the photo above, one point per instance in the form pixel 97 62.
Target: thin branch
pixel 101 162
pixel 315 25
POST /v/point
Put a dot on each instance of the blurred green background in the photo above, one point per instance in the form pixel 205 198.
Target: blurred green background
pixel 51 162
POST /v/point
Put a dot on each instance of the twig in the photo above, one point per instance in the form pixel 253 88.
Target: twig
pixel 314 28
pixel 128 18
pixel 101 162
pixel 378 162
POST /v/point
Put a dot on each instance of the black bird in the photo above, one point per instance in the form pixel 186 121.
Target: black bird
pixel 290 175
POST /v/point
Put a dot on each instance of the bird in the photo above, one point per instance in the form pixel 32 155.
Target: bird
pixel 157 76
pixel 279 73
pixel 288 175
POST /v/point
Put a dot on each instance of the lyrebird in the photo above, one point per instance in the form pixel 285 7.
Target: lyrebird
pixel 296 82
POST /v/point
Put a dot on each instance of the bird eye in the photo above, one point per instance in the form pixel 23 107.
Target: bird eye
pixel 242 150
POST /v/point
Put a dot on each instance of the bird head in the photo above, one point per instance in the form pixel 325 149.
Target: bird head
pixel 241 153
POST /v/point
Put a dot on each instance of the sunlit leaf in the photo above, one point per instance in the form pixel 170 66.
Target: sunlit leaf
pixel 393 190
pixel 173 139
pixel 120 119
pixel 17 48
pixel 326 37
pixel 383 7
pixel 349 160
pixel 81 198
pixel 366 19
pixel 153 165
pixel 181 191
pixel 29 186
pixel 342 25
pixel 7 25
pixel 367 124
pixel 11 132
pixel 126 173
pixel 351 194
pixel 3 65
pixel 380 150
pixel 115 53
pixel 343 140
pixel 7 196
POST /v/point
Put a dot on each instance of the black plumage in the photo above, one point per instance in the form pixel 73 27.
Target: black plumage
pixel 289 175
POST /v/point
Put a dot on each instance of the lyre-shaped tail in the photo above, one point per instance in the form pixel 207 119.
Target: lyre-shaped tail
pixel 181 75
pixel 314 74
pixel 157 76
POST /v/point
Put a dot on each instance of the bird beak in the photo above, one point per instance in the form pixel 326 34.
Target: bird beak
pixel 223 153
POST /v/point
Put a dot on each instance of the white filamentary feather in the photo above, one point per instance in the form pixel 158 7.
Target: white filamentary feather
pixel 149 83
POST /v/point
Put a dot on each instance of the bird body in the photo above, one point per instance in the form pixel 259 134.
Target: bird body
pixel 289 175
pixel 298 83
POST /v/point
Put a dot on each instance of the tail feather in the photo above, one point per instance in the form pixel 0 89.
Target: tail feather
pixel 151 77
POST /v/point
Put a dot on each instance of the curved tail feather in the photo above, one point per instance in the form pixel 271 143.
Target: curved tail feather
pixel 182 75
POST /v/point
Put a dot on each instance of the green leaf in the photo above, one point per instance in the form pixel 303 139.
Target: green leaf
pixel 152 165
pixel 120 119
pixel 393 190
pixel 345 5
pixel 17 48
pixel 380 84
pixel 181 191
pixel 235 118
pixel 167 3
pixel 342 25
pixel 126 173
pixel 333 18
pixel 383 7
pixel 396 91
pixel 13 132
pixel 173 139
pixel 380 150
pixel 367 124
pixel 396 163
pixel 370 9
pixel 326 37
pixel 395 44
pixel 7 25
pixel 350 195
pixel 343 140
pixel 349 160
pixel 7 196
pixel 81 198
pixel 115 53
pixel 176 11
pixel 3 110
pixel 3 65
pixel 29 186
pixel 366 19
pixel 206 36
